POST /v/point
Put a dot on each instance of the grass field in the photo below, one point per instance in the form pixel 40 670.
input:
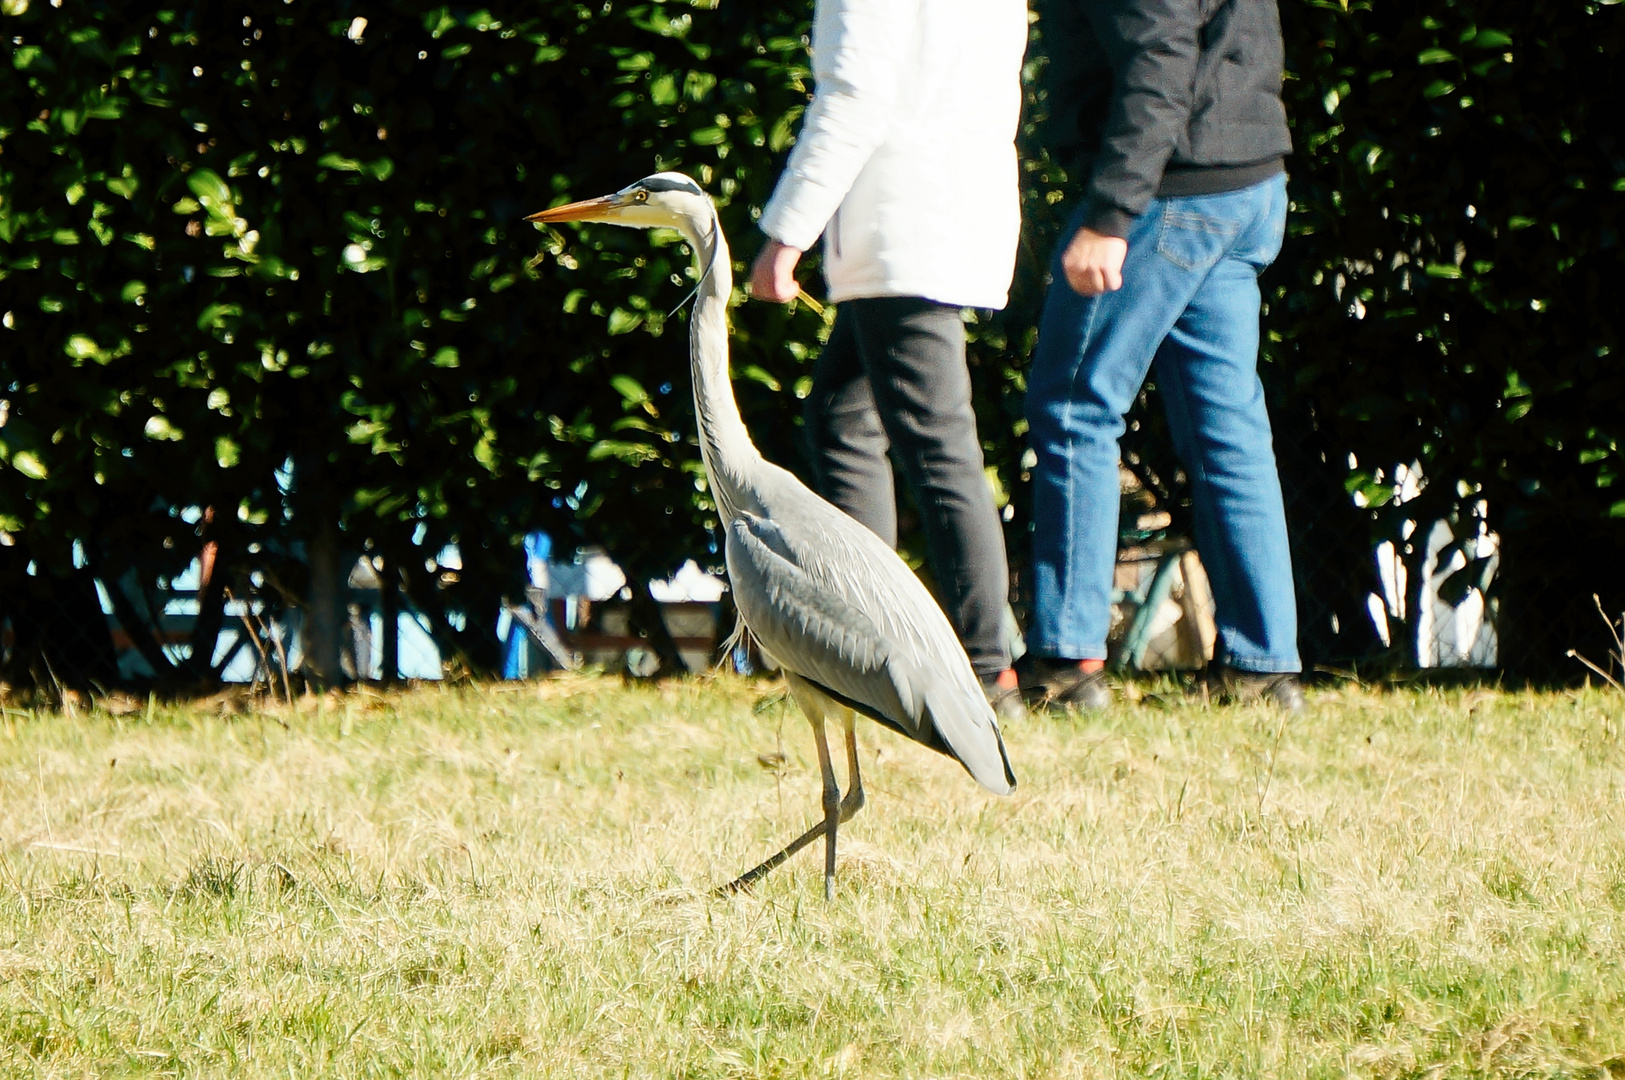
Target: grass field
pixel 514 881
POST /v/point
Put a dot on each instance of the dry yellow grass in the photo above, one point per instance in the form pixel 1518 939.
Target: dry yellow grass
pixel 513 881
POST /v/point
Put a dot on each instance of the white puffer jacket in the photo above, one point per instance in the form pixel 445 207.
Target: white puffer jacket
pixel 906 160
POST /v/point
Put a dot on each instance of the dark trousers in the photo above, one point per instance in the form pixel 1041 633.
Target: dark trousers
pixel 893 376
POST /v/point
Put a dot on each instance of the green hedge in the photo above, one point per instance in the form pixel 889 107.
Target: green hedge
pixel 266 258
pixel 242 235
pixel 1449 297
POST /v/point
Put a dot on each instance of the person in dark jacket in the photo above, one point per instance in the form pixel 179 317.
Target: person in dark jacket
pixel 1171 111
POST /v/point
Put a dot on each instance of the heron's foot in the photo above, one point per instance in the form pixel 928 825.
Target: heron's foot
pixel 848 806
pixel 756 873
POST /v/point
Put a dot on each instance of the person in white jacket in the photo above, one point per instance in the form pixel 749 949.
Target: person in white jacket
pixel 906 164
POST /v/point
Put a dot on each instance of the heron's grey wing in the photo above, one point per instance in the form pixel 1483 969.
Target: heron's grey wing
pixel 812 631
pixel 834 637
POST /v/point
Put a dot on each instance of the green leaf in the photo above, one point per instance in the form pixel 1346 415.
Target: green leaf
pixel 125 185
pixel 208 187
pixel 757 373
pixel 108 108
pixel 629 452
pixel 81 347
pixel 783 132
pixel 622 321
pixel 446 356
pixel 214 316
pixel 158 427
pixel 1434 56
pixel 485 452
pixel 29 57
pixel 629 388
pixel 27 463
pixel 226 453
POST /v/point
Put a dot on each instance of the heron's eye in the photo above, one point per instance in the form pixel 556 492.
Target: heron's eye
pixel 642 196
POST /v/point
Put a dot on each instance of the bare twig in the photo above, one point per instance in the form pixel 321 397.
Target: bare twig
pixel 1607 677
pixel 1615 655
pixel 1617 635
pixel 282 662
pixel 259 628
pixel 259 646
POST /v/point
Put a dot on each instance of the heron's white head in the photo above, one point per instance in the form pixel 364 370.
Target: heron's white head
pixel 664 200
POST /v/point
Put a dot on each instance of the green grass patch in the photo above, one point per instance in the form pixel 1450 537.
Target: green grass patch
pixel 514 881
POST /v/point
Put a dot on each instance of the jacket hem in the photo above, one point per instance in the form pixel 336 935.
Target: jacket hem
pixel 1216 179
pixel 986 301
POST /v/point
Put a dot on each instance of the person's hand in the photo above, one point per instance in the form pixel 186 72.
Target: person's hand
pixel 1093 262
pixel 772 275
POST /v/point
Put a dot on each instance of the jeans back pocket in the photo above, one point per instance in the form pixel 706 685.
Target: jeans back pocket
pixel 1193 241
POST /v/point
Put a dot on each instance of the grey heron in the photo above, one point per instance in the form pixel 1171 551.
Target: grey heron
pixel 850 625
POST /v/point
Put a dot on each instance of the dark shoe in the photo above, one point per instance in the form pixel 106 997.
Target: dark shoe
pixel 1278 688
pixel 1060 684
pixel 1004 694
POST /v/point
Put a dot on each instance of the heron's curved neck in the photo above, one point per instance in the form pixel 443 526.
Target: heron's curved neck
pixel 731 458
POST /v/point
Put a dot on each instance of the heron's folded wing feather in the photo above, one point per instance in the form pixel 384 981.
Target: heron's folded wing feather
pixel 843 558
pixel 869 633
pixel 813 631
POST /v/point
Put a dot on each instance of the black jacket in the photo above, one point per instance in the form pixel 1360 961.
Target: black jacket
pixel 1164 97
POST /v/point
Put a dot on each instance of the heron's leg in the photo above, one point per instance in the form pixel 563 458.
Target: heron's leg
pixel 853 802
pixel 812 704
pixel 761 870
pixel 832 807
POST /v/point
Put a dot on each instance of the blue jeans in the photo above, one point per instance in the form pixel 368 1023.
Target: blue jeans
pixel 1190 304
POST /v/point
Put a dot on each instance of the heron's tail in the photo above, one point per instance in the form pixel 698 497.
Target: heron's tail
pixel 966 724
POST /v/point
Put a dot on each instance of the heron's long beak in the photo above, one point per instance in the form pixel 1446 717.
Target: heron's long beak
pixel 585 210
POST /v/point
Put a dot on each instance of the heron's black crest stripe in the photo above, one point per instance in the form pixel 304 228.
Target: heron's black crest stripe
pixel 662 183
